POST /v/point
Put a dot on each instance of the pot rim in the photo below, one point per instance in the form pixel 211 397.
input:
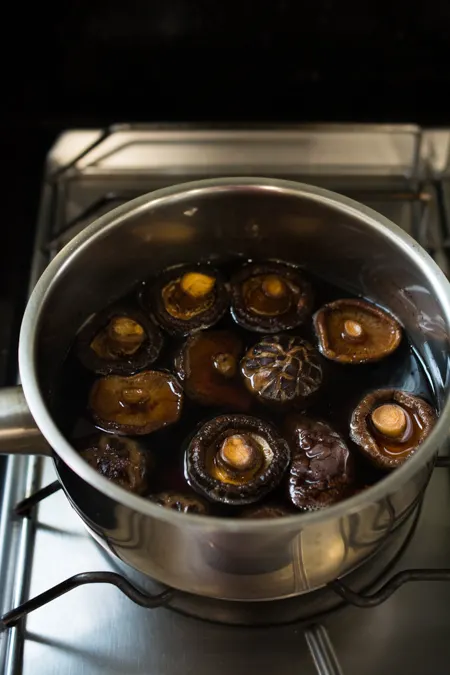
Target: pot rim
pixel 175 193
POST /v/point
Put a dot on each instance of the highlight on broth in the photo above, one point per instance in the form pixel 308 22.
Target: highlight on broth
pixel 244 390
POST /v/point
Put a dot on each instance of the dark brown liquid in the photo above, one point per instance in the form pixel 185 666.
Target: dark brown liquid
pixel 344 387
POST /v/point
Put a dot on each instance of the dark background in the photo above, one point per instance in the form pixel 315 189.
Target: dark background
pixel 95 63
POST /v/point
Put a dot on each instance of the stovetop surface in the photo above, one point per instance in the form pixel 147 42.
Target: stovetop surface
pixel 399 171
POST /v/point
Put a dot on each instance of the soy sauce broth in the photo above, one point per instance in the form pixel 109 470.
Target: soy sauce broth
pixel 344 387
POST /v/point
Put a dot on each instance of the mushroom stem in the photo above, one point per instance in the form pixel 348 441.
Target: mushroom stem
pixel 134 395
pixel 238 453
pixel 273 286
pixel 197 285
pixel 125 333
pixel 225 364
pixel 390 420
pixel 353 330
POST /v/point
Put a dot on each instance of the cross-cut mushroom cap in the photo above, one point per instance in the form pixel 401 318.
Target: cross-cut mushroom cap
pixel 282 369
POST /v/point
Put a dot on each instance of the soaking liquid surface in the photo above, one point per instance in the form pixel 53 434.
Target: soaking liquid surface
pixel 344 386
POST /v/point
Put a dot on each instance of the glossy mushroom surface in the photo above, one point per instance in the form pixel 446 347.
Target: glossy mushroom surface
pixel 138 404
pixel 119 341
pixel 236 459
pixel 322 468
pixel 388 425
pixel 270 297
pixel 186 298
pixel 181 502
pixel 282 370
pixel 208 366
pixel 119 459
pixel 356 331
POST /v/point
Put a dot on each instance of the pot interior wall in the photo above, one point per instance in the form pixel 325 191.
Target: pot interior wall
pixel 334 241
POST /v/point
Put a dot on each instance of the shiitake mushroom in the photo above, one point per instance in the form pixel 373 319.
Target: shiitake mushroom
pixel 181 502
pixel 119 340
pixel 270 297
pixel 282 370
pixel 322 468
pixel 186 298
pixel 388 425
pixel 119 459
pixel 236 459
pixel 356 331
pixel 208 366
pixel 138 404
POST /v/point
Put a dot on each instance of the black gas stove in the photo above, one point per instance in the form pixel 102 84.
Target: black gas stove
pixel 380 619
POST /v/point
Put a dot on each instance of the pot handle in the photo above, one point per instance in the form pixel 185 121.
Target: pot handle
pixel 19 434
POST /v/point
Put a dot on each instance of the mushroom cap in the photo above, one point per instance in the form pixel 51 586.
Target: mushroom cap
pixel 95 337
pixel 384 450
pixel 322 467
pixel 186 298
pixel 248 486
pixel 181 502
pixel 356 331
pixel 282 370
pixel 138 404
pixel 119 459
pixel 208 366
pixel 270 297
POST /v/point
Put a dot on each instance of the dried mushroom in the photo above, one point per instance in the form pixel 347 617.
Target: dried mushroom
pixel 182 503
pixel 119 340
pixel 266 511
pixel 282 369
pixel 186 298
pixel 208 366
pixel 138 404
pixel 356 331
pixel 270 297
pixel 119 459
pixel 236 459
pixel 388 425
pixel 322 467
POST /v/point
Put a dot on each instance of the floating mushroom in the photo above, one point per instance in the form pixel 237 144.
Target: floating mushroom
pixel 182 503
pixel 282 370
pixel 186 298
pixel 208 366
pixel 236 459
pixel 119 459
pixel 388 425
pixel 270 297
pixel 138 404
pixel 322 468
pixel 119 340
pixel 356 331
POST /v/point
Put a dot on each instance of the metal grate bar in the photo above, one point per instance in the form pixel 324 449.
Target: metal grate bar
pixel 25 506
pixel 12 618
pixel 322 651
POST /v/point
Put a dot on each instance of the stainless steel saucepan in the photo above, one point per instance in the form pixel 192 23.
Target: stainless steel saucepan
pixel 350 244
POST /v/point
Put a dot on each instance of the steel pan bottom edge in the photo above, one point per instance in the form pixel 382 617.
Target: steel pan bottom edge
pixel 305 608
